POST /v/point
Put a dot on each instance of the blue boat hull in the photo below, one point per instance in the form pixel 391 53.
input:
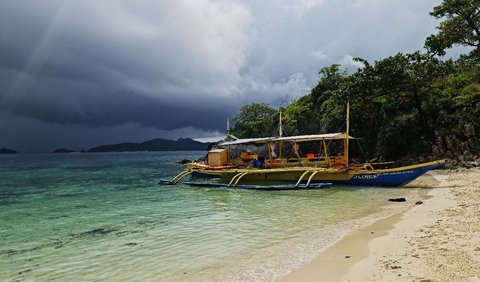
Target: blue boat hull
pixel 393 178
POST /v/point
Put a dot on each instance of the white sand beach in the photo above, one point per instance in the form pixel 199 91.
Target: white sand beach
pixel 436 240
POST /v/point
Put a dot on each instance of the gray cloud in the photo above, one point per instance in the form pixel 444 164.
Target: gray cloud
pixel 163 66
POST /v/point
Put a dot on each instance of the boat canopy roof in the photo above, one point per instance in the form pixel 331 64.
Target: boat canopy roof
pixel 254 141
pixel 314 137
pixel 299 138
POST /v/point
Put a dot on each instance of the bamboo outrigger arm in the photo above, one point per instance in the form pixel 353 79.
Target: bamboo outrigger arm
pixel 180 176
pixel 240 177
pixel 310 178
pixel 234 177
pixel 301 177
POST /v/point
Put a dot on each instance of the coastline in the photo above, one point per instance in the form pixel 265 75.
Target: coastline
pixel 438 240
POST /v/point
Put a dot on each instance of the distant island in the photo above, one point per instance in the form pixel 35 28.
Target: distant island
pixel 7 151
pixel 63 151
pixel 182 144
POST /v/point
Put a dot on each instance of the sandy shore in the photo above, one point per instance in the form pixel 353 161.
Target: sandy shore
pixel 438 240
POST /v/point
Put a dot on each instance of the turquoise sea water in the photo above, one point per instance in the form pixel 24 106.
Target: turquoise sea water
pixel 97 217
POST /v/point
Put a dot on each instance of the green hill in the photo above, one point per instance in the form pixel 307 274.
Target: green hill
pixel 182 144
pixel 7 151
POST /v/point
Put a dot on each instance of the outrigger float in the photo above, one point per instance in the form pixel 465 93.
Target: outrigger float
pixel 263 159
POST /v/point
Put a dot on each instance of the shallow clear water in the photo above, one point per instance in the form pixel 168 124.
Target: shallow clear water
pixel 105 217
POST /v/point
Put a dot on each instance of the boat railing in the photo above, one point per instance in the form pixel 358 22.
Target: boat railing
pixel 294 162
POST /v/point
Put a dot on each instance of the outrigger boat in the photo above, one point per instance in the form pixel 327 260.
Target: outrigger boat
pixel 263 159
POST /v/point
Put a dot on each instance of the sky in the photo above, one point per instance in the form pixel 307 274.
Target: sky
pixel 77 74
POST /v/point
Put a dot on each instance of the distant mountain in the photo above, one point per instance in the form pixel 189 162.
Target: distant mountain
pixel 62 151
pixel 7 151
pixel 182 144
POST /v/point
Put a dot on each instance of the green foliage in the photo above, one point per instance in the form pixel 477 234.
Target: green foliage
pixel 460 92
pixel 399 106
pixel 255 120
pixel 302 116
pixel 460 25
pixel 405 105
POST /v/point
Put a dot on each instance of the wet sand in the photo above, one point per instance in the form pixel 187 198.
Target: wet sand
pixel 437 240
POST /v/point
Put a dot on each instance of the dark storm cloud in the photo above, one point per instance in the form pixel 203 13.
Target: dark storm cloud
pixel 157 64
pixel 180 65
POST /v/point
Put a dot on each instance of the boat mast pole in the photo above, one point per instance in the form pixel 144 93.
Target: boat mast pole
pixel 280 133
pixel 347 134
pixel 325 152
pixel 227 138
pixel 228 127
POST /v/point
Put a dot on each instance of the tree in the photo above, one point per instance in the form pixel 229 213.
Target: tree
pixel 461 26
pixel 392 104
pixel 255 120
pixel 406 105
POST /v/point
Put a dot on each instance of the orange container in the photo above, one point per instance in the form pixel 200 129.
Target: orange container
pixel 245 155
pixel 309 156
